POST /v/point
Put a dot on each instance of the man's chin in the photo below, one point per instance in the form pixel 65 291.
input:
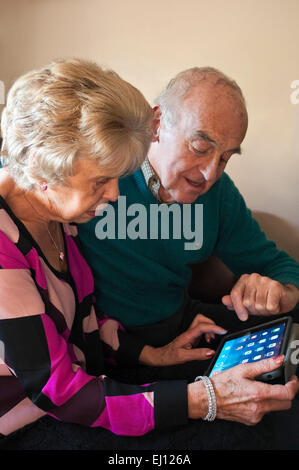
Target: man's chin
pixel 185 198
pixel 188 195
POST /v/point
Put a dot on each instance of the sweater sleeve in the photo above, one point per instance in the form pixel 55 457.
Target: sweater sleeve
pixel 120 346
pixel 243 246
pixel 40 357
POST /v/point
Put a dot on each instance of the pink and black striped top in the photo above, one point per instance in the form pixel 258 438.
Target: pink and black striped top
pixel 51 352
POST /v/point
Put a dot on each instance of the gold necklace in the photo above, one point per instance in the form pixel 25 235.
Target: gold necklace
pixel 61 253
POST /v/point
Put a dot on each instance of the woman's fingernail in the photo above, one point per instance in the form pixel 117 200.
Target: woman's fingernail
pixel 210 353
pixel 279 359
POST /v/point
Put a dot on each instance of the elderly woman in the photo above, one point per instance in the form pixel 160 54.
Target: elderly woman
pixel 70 130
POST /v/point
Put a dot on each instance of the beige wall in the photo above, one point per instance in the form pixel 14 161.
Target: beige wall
pixel 147 42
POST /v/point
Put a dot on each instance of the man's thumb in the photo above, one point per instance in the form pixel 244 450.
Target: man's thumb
pixel 227 301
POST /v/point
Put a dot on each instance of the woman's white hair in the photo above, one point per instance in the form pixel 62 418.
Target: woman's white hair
pixel 71 108
pixel 171 97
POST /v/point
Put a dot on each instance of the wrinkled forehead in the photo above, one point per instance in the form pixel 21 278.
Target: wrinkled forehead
pixel 217 110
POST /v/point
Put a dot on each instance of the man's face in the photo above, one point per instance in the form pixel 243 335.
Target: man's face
pixel 190 157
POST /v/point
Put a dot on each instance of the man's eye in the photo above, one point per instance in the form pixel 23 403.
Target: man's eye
pixel 101 183
pixel 199 151
pixel 199 147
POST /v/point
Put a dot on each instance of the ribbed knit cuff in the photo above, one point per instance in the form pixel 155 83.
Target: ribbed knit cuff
pixel 170 403
pixel 129 349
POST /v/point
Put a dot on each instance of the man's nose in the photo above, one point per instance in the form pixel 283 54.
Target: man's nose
pixel 209 171
pixel 111 190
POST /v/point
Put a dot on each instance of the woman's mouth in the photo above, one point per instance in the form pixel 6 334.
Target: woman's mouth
pixel 91 213
pixel 98 211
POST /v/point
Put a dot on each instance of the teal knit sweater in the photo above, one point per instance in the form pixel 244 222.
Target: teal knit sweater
pixel 141 281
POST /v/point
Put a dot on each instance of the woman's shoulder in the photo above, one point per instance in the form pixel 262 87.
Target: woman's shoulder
pixel 6 183
pixel 8 224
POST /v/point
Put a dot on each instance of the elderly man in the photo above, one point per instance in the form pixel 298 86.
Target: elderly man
pixel 142 277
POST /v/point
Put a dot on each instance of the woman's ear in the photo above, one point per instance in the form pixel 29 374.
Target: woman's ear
pixel 156 123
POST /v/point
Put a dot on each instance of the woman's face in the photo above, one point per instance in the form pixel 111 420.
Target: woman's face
pixel 84 193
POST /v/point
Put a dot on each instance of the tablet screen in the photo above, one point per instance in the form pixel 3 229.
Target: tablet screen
pixel 253 346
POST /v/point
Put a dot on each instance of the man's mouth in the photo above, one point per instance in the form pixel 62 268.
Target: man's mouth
pixel 195 184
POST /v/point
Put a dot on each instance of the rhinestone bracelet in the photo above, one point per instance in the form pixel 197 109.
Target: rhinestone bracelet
pixel 211 397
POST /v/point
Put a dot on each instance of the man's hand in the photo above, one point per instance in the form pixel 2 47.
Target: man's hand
pixel 180 350
pixel 241 398
pixel 259 295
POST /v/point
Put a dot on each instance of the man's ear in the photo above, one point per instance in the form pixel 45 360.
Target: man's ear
pixel 156 123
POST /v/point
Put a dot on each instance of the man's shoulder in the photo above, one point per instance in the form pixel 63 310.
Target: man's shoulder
pixel 225 181
pixel 226 186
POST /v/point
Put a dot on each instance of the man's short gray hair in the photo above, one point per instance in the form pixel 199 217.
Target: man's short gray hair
pixel 179 86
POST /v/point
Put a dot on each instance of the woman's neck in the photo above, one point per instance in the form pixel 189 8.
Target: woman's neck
pixel 37 219
pixel 28 206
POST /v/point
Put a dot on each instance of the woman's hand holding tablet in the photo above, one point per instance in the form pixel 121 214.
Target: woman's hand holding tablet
pixel 243 364
pixel 240 397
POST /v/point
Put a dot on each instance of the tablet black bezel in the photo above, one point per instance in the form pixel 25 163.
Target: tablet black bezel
pixel 263 326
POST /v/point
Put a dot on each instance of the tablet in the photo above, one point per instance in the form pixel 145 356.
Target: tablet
pixel 252 345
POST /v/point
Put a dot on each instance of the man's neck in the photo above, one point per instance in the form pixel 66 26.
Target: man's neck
pixel 152 159
pixel 164 195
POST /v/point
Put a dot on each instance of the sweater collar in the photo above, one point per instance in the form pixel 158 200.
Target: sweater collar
pixel 152 180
